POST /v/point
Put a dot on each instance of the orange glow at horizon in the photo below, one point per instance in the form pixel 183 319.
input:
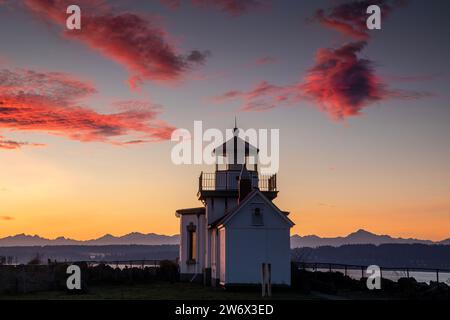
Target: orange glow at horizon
pixel 82 154
pixel 49 199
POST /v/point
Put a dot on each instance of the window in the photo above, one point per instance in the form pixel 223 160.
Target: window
pixel 192 243
pixel 257 218
pixel 192 246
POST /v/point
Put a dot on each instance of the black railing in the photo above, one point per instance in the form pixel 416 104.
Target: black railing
pixel 208 182
pixel 359 271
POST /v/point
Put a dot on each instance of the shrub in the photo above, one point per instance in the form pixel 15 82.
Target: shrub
pixel 36 260
pixel 168 271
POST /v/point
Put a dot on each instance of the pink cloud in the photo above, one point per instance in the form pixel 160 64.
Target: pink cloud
pixel 264 96
pixel 232 7
pixel 132 40
pixel 51 102
pixel 265 60
pixel 343 27
pixel 171 4
pixel 350 18
pixel 413 78
pixel 11 145
pixel 340 83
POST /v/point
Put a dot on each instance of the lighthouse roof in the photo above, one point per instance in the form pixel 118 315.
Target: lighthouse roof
pixel 236 145
pixel 255 193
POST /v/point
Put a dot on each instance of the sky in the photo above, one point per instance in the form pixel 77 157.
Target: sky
pixel 86 115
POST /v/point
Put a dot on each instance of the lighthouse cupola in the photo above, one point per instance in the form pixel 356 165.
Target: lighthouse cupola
pixel 233 157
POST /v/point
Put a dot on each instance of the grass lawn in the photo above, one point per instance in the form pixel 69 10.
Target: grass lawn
pixel 160 291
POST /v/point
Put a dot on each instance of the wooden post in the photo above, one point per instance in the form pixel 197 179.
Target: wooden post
pixel 437 275
pixel 407 273
pixel 266 286
pixel 330 267
pixel 362 272
pixel 345 270
pixel 269 279
pixel 263 280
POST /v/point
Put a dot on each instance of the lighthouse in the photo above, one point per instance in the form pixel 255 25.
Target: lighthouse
pixel 238 229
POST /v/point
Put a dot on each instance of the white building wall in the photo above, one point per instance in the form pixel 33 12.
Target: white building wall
pixel 200 223
pixel 213 254
pixel 247 256
pixel 215 209
pixel 208 247
pixel 222 255
pixel 249 246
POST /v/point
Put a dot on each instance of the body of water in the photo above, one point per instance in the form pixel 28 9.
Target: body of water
pixel 394 275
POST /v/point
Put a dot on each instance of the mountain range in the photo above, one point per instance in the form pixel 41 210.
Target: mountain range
pixel 359 237
pixel 20 240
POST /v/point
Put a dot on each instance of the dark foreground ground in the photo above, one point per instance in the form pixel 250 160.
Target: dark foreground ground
pixel 159 291
pixel 192 291
pixel 162 283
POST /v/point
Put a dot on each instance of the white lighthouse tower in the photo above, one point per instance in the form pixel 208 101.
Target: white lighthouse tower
pixel 238 229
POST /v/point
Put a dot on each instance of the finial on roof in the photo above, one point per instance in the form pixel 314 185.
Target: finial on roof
pixel 235 124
